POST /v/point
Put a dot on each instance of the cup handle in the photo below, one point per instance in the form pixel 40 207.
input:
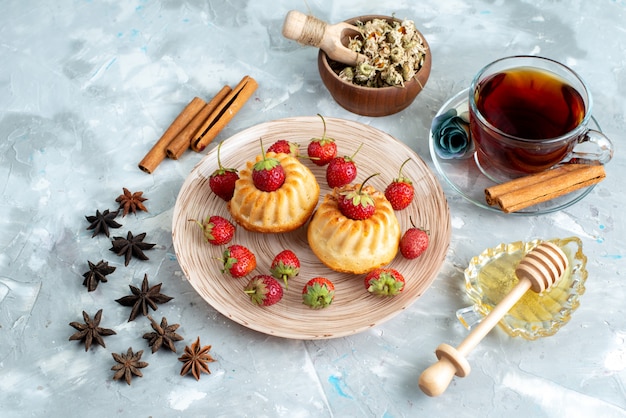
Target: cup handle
pixel 591 148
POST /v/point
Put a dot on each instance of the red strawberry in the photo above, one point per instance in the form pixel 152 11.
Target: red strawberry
pixel 222 181
pixel 285 147
pixel 285 266
pixel 322 150
pixel 400 191
pixel 414 242
pixel 217 230
pixel 318 293
pixel 384 282
pixel 355 203
pixel 238 261
pixel 264 290
pixel 267 174
pixel 341 170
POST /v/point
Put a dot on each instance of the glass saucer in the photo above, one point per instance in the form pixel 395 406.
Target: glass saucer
pixel 490 276
pixel 466 178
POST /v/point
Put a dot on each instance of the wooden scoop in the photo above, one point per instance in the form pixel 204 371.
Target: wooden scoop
pixel 309 30
pixel 538 270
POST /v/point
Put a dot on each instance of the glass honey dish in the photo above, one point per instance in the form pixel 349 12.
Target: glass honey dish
pixel 491 275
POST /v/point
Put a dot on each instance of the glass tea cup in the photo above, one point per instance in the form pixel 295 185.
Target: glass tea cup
pixel 528 114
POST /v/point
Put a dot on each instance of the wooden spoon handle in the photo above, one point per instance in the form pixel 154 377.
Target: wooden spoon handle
pixel 538 271
pixel 309 30
pixel 436 379
pixel 452 361
pixel 491 320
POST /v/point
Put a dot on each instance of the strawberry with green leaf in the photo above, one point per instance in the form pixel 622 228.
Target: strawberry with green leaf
pixel 222 180
pixel 414 242
pixel 267 174
pixel 356 203
pixel 285 266
pixel 216 229
pixel 238 261
pixel 285 147
pixel 400 191
pixel 322 150
pixel 384 282
pixel 264 290
pixel 341 170
pixel 318 293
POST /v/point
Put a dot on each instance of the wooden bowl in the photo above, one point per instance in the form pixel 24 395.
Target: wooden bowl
pixel 372 101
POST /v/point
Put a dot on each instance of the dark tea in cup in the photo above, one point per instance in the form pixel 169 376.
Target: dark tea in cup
pixel 530 103
pixel 527 114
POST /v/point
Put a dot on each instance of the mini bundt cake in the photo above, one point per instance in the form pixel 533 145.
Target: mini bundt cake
pixel 354 246
pixel 282 210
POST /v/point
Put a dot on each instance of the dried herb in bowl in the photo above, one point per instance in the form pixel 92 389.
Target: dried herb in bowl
pixel 395 52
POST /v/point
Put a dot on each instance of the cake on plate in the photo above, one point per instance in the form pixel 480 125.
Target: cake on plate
pixel 354 246
pixel 282 210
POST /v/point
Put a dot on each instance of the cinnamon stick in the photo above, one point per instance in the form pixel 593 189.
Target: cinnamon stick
pixel 157 153
pixel 226 110
pixel 536 188
pixel 182 141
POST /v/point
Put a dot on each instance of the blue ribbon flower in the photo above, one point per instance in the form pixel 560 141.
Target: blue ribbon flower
pixel 451 135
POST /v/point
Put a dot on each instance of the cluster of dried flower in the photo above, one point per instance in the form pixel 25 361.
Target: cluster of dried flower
pixel 195 359
pixel 395 52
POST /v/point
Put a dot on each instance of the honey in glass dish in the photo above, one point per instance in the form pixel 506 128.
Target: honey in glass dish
pixel 490 276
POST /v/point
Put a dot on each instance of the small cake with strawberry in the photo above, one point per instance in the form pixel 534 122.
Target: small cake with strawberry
pixel 275 193
pixel 354 230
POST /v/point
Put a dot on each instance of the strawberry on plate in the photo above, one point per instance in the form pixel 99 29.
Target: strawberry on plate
pixel 267 174
pixel 322 150
pixel 357 204
pixel 264 290
pixel 222 181
pixel 400 191
pixel 318 293
pixel 414 242
pixel 216 229
pixel 285 147
pixel 285 266
pixel 384 282
pixel 238 260
pixel 341 170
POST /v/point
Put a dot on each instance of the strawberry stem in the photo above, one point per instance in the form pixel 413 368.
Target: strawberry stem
pixel 196 221
pixel 219 162
pixel 420 228
pixel 324 123
pixel 357 150
pixel 402 166
pixel 365 181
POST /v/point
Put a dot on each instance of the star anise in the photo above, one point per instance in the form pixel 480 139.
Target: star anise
pixel 90 331
pixel 97 273
pixel 128 365
pixel 131 202
pixel 131 246
pixel 163 335
pixel 196 360
pixel 101 222
pixel 140 300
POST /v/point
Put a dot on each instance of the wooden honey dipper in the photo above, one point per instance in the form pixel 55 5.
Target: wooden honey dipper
pixel 309 30
pixel 538 270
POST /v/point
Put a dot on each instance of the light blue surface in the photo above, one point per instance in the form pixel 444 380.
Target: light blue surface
pixel 88 87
